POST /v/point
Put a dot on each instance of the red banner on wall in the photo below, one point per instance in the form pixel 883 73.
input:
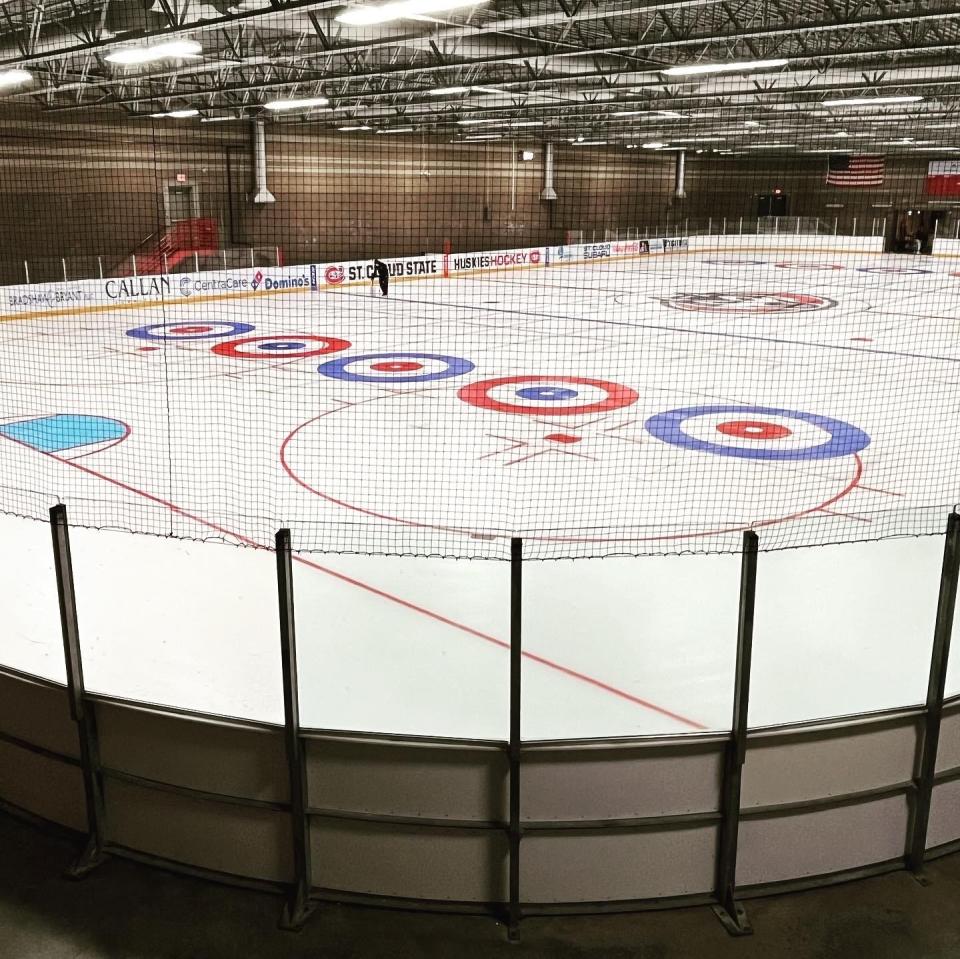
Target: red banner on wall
pixel 943 178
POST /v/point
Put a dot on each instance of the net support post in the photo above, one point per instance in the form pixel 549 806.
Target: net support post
pixel 298 906
pixel 728 910
pixel 933 713
pixel 514 831
pixel 80 709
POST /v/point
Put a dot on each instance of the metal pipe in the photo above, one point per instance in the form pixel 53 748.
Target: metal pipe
pixel 261 193
pixel 298 905
pixel 80 710
pixel 513 754
pixel 936 684
pixel 679 175
pixel 548 192
pixel 729 911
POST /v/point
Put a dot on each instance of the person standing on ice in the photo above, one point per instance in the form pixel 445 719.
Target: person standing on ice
pixel 382 275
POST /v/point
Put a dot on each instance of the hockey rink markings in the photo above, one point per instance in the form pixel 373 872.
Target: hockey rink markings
pixel 53 436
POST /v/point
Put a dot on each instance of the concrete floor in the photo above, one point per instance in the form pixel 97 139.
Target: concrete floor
pixel 129 911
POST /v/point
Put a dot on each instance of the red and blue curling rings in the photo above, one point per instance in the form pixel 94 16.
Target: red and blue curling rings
pixel 892 269
pixel 395 367
pixel 293 346
pixel 757 432
pixel 547 395
pixel 189 331
pixel 747 301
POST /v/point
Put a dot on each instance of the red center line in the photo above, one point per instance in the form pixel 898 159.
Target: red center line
pixel 533 657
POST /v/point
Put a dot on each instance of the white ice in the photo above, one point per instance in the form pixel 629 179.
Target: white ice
pixel 615 646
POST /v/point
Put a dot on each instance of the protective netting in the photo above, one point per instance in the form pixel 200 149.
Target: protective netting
pixel 418 280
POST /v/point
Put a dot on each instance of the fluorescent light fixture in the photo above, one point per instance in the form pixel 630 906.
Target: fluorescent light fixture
pixel 589 143
pixel 655 145
pixel 474 120
pixel 698 140
pixel 870 101
pixel 385 12
pixel 750 123
pixel 396 130
pixel 671 114
pixel 13 78
pixel 632 113
pixel 350 129
pixel 697 69
pixel 486 90
pixel 177 114
pixel 527 123
pixel 447 91
pixel 485 136
pixel 169 50
pixel 302 104
pixel 769 146
pixel 218 119
pixel 527 155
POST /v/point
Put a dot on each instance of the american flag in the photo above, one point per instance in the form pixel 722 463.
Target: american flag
pixel 845 170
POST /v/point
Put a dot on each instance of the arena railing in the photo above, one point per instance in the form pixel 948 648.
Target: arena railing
pixel 507 828
pixel 68 268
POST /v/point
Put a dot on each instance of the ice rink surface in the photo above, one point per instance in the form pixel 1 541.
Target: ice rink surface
pixel 649 406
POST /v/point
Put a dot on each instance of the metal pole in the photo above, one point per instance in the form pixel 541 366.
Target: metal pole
pixel 224 252
pixel 798 226
pixel 935 691
pixel 80 712
pixel 836 221
pixel 516 661
pixel 956 232
pixel 854 233
pixel 741 226
pixel 166 266
pixel 729 911
pixel 100 266
pixel 196 262
pixel 724 226
pixel 133 258
pixel 298 906
pixel 710 226
pixel 63 261
pixel 252 263
pixel 26 271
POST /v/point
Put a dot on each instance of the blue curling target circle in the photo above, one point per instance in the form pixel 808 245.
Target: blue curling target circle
pixel 395 367
pixel 546 393
pixel 757 432
pixel 189 331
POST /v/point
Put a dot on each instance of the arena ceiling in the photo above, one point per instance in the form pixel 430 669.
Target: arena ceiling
pixel 541 68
